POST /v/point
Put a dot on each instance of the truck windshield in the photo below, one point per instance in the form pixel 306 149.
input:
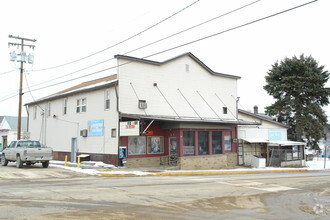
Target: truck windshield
pixel 35 144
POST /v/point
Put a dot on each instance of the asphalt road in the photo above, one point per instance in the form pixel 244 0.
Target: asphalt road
pixel 55 193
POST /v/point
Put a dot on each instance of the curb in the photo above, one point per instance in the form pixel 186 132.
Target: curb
pixel 199 173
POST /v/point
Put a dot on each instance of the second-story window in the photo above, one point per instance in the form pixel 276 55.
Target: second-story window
pixel 65 106
pixel 107 100
pixel 81 105
pixel 225 110
pixel 48 109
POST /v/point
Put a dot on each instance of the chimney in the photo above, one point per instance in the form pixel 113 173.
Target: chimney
pixel 255 109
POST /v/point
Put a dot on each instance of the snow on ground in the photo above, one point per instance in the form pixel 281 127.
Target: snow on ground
pixel 94 168
pixel 318 163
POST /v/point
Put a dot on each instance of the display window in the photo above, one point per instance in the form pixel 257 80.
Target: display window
pixel 136 145
pixel 205 142
pixel 188 143
pixel 155 145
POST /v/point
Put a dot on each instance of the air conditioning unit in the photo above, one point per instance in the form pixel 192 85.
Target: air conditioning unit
pixel 143 104
pixel 83 132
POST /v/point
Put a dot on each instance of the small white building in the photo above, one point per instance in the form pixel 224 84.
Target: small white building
pixel 8 129
pixel 177 111
pixel 267 139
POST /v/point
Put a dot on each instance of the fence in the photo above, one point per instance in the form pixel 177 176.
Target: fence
pixel 282 155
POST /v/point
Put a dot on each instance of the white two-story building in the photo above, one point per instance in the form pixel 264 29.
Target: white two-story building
pixel 149 112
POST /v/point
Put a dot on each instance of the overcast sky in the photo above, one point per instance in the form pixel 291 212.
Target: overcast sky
pixel 69 30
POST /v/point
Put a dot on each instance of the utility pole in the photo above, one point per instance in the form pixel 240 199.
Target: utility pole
pixel 22 60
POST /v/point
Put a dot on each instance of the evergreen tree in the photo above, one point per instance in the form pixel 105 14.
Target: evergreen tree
pixel 298 87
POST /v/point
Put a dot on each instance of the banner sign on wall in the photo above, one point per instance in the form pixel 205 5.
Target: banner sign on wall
pixel 274 134
pixel 95 128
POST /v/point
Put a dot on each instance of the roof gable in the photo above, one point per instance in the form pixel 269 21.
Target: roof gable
pixel 262 117
pixel 134 59
pixel 10 123
pixel 82 87
pixel 87 84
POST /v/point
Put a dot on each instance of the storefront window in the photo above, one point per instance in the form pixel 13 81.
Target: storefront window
pixel 295 152
pixel 136 145
pixel 203 142
pixel 216 142
pixel 155 145
pixel 188 143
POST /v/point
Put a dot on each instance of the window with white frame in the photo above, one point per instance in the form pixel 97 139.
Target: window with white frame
pixel 48 109
pixel 107 99
pixel 113 132
pixel 65 106
pixel 81 105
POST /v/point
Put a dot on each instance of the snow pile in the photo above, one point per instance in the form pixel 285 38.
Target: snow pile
pixel 318 163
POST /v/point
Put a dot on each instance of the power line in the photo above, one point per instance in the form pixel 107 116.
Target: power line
pixel 192 27
pixel 120 42
pixel 9 97
pixel 231 29
pixel 10 71
pixel 27 84
pixel 165 38
pixel 68 74
pixel 185 44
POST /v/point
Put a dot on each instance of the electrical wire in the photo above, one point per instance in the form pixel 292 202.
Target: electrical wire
pixel 120 42
pixel 27 84
pixel 192 27
pixel 76 71
pixel 185 44
pixel 231 29
pixel 10 71
pixel 165 38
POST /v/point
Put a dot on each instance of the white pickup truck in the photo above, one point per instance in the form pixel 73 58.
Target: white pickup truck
pixel 28 152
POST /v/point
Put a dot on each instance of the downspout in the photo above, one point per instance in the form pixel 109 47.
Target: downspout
pixel 28 119
pixel 237 142
pixel 119 119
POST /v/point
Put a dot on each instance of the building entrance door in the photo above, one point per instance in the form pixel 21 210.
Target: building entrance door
pixel 73 150
pixel 173 157
pixel 173 145
pixel 4 141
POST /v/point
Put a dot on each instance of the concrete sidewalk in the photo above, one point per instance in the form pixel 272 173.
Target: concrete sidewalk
pixel 106 170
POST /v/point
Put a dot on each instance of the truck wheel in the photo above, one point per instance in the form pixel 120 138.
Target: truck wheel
pixel 4 161
pixel 19 162
pixel 45 164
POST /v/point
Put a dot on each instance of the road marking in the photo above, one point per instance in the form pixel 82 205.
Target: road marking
pixel 259 186
pixel 274 188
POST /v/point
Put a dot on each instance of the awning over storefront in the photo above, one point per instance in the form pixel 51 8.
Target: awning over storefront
pixel 188 119
pixel 276 143
pixel 255 140
pixel 286 143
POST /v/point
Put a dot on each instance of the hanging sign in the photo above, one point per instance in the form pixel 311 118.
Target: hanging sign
pixel 129 128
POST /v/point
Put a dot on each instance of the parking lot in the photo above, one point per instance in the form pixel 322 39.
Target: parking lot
pixel 34 172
